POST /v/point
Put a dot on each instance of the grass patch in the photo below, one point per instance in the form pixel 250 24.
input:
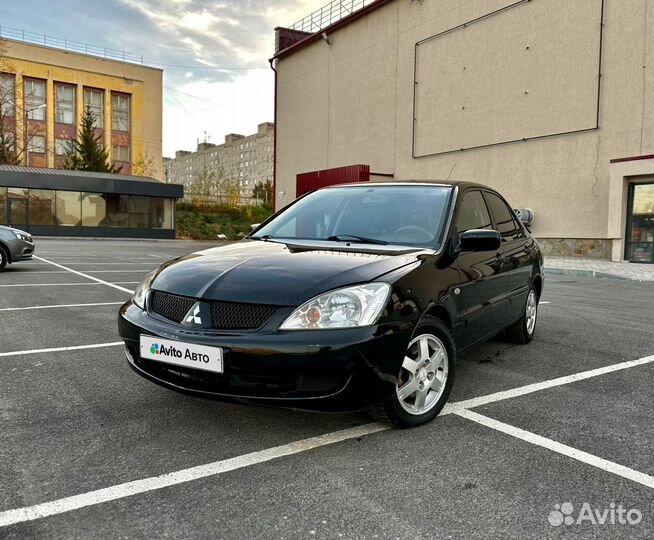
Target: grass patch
pixel 207 222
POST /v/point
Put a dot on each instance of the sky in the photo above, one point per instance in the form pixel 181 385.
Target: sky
pixel 191 40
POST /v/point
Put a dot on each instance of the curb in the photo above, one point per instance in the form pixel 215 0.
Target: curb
pixel 586 273
pixel 109 239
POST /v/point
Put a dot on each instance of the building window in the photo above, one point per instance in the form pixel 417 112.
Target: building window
pixel 120 112
pixel 36 144
pixel 64 104
pixel 139 212
pixel 94 100
pixel 42 207
pixel 94 210
pixel 69 208
pixel 121 153
pixel 63 147
pixel 162 213
pixel 35 99
pixel 7 95
pixel 117 210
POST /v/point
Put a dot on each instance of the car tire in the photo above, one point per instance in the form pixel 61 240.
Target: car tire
pixel 4 258
pixel 424 371
pixel 522 331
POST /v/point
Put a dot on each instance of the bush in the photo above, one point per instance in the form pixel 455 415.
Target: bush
pixel 207 222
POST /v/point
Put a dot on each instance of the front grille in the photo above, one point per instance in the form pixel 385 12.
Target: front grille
pixel 224 315
pixel 170 306
pixel 233 316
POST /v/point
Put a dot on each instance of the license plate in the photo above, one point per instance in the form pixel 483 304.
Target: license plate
pixel 182 354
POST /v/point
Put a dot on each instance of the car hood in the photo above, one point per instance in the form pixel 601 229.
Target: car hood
pixel 279 274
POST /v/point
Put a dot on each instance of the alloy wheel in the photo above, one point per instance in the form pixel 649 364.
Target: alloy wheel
pixel 423 376
pixel 531 311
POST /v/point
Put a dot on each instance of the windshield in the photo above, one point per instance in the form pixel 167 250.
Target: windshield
pixel 400 215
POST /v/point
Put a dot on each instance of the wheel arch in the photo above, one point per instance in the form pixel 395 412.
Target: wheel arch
pixel 440 312
pixel 538 284
pixel 7 251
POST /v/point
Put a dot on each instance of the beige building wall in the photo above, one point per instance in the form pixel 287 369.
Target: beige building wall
pixel 527 71
pixel 144 84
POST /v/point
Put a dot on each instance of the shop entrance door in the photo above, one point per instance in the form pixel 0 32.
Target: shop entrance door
pixel 640 224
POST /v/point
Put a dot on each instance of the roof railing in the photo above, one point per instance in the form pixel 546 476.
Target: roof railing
pixel 329 14
pixel 67 45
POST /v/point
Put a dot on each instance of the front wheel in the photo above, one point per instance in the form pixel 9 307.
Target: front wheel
pixel 4 258
pixel 425 378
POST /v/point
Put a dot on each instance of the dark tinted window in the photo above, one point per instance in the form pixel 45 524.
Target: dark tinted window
pixel 473 213
pixel 507 224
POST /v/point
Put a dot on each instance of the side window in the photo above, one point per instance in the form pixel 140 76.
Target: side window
pixel 507 224
pixel 473 213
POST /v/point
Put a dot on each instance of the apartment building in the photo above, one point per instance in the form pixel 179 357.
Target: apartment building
pixel 246 159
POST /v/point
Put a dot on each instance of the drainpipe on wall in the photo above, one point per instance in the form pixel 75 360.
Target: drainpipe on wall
pixel 274 197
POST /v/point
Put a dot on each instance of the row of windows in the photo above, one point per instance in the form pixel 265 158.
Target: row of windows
pixel 65 102
pixel 28 207
pixel 63 147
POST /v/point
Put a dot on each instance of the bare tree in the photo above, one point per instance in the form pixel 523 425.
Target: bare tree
pixel 14 149
pixel 143 165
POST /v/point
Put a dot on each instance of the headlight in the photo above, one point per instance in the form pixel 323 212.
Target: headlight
pixel 360 305
pixel 22 235
pixel 141 291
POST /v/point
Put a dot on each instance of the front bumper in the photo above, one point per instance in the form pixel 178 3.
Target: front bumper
pixel 325 370
pixel 20 250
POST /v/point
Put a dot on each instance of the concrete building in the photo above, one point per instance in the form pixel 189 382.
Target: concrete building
pixel 549 101
pixel 44 92
pixel 246 159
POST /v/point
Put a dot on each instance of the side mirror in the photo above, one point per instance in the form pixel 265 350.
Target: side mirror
pixel 254 227
pixel 480 240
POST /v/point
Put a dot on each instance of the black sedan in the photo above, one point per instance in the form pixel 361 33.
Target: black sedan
pixel 353 297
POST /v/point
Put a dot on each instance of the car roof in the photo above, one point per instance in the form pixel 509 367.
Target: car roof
pixel 442 183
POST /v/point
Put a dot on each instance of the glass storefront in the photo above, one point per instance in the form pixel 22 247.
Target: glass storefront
pixel 640 224
pixel 71 209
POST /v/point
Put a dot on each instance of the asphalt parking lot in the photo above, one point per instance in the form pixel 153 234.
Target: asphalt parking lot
pixel 559 430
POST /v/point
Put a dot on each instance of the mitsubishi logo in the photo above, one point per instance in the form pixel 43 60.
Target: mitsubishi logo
pixel 194 315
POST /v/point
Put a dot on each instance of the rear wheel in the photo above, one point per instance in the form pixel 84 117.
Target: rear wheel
pixel 4 258
pixel 522 331
pixel 425 378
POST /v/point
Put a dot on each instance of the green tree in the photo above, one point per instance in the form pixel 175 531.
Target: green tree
pixel 87 153
pixel 263 191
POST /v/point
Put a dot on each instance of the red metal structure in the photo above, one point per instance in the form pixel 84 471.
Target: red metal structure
pixel 309 181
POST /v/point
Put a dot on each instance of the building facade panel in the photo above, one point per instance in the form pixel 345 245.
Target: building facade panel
pixel 564 178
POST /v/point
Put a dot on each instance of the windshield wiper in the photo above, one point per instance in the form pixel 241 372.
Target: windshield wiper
pixel 265 237
pixel 355 238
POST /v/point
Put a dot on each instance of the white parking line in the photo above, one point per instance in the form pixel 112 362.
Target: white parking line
pixel 560 381
pixel 76 284
pixel 63 305
pixel 128 489
pixel 30 272
pixel 67 504
pixel 579 455
pixel 85 275
pixel 62 349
